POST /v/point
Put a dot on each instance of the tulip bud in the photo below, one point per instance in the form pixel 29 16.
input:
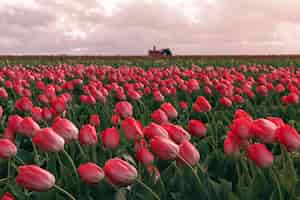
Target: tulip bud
pixel 188 153
pixel 169 110
pixel 9 134
pixel 7 196
pixel 28 127
pixel 241 127
pixel 131 129
pixel 226 102
pixel 144 156
pixel 119 172
pixel 183 105
pixel 87 135
pixel 47 140
pixel 176 133
pixel 34 178
pixel 90 173
pixel 65 128
pixel 264 130
pixel 110 138
pixel 239 113
pixel 260 155
pixel 196 128
pixel 159 116
pixel 289 137
pixel 123 109
pixel 59 104
pixel 13 122
pixel 94 120
pixel 164 148
pixel 7 149
pixel 37 114
pixel 154 129
pixel 203 104
pixel 115 120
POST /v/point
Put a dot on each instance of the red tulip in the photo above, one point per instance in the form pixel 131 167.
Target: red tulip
pixel 7 196
pixel 47 140
pixel 47 114
pixel 264 130
pixel 196 128
pixel 94 120
pixel 87 135
pixel 159 116
pixel 188 153
pixel 3 94
pixel 203 104
pixel 169 110
pixel 292 98
pixel 110 138
pixel 239 113
pixel 207 90
pixel 279 88
pixel 153 130
pixel 157 96
pixel 289 137
pixel 144 156
pixel 233 143
pixel 90 173
pixel 134 95
pixel 124 109
pixel 230 146
pixel 131 129
pixel 65 128
pixel 24 104
pixel 224 101
pixel 7 149
pixel 164 148
pixel 59 104
pixel 119 172
pixel 260 155
pixel 28 127
pixel 262 90
pixel 183 105
pixel 176 133
pixel 115 120
pixel 37 114
pixel 241 127
pixel 8 134
pixel 34 178
pixel 277 121
pixel 13 122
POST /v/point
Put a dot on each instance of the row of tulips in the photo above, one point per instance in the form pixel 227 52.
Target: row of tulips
pixel 78 132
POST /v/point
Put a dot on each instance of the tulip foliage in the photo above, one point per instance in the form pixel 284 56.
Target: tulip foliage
pixel 102 132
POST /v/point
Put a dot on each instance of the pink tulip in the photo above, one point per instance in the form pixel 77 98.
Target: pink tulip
pixel 260 155
pixel 47 140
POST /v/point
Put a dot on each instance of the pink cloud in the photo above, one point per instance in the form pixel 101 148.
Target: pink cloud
pixel 188 27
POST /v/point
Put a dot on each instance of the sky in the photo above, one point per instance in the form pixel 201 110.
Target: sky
pixel 131 27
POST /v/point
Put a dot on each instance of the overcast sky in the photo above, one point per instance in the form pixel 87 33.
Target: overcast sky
pixel 129 27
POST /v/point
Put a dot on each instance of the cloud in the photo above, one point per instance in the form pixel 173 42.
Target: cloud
pixel 132 26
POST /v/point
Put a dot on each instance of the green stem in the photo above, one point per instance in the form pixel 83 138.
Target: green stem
pixel 64 191
pixel 81 150
pixel 193 170
pixel 20 160
pixel 149 189
pixel 71 162
pixel 274 174
pixel 3 180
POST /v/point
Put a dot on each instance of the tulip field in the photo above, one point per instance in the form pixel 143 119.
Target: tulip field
pixel 134 132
